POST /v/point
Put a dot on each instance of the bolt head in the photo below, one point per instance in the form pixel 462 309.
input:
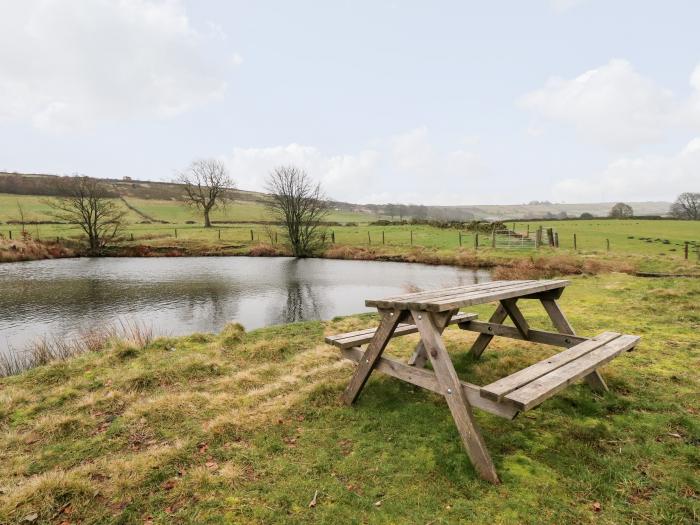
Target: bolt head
pixel 449 390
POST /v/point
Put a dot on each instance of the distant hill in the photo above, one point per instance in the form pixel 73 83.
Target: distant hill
pixel 42 184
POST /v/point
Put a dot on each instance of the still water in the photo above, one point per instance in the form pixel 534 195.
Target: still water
pixel 178 296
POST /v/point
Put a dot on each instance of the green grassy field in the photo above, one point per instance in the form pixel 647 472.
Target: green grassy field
pixel 648 245
pixel 176 212
pixel 246 428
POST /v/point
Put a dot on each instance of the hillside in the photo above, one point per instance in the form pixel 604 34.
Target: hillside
pixel 163 194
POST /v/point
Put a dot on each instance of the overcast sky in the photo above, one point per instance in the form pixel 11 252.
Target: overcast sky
pixel 383 101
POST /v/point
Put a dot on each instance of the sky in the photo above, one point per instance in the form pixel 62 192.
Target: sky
pixel 498 102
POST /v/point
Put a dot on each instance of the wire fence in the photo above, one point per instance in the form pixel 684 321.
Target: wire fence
pixel 504 238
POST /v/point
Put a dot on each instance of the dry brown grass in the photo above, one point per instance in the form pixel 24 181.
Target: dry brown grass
pixel 559 265
pixel 30 250
pixel 48 349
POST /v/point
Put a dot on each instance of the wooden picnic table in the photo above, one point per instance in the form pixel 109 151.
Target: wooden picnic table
pixel 430 312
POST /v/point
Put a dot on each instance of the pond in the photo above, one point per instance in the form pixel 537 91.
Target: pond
pixel 177 296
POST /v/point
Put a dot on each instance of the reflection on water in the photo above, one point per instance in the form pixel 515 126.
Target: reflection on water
pixel 198 294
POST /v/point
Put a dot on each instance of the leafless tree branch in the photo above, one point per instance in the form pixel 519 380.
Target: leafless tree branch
pixel 300 205
pixel 206 184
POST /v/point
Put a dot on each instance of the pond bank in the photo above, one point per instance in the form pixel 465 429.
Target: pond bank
pixel 246 427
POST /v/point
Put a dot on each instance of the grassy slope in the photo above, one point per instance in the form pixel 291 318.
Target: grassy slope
pixel 35 208
pixel 244 428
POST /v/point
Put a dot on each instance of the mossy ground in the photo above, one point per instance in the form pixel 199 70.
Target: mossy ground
pixel 245 427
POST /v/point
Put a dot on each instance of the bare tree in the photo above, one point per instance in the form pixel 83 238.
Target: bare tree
pixel 621 211
pixel 687 206
pixel 206 184
pixel 300 205
pixel 87 202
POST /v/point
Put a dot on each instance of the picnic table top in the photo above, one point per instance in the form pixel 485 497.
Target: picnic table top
pixel 459 296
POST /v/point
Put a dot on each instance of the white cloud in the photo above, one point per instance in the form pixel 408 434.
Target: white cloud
pixel 643 178
pixel 404 168
pixel 68 65
pixel 615 106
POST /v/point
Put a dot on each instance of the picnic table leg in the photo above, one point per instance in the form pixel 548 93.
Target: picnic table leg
pixel 484 339
pixel 510 306
pixel 450 387
pixel 561 323
pixel 420 356
pixel 390 320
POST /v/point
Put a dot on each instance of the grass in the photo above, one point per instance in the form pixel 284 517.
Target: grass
pixel 644 245
pixel 173 211
pixel 244 427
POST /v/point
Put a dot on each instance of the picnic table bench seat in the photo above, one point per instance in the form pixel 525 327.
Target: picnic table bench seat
pixel 530 386
pixel 361 337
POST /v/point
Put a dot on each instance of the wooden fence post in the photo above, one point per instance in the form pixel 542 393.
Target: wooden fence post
pixel 528 231
pixel 176 233
pixel 332 236
pixel 382 236
pixel 538 237
pixel 132 236
pixel 550 237
pixel 369 238
pixel 10 232
pixel 493 236
pixel 460 238
pixel 251 234
pixel 411 237
pixel 685 251
pixel 476 240
pixel 607 243
pixel 575 246
pixel 556 239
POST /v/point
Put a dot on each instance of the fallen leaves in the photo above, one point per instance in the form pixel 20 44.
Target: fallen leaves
pixel 596 506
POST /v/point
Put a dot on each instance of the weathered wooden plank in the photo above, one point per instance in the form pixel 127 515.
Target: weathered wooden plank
pixel 457 401
pixel 420 357
pixel 546 386
pixel 536 336
pixel 463 288
pixel 496 295
pixel 390 319
pixel 516 316
pixel 426 379
pixel 360 337
pixel 561 323
pixel 485 338
pixel 506 385
pixel 498 287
